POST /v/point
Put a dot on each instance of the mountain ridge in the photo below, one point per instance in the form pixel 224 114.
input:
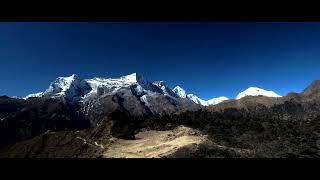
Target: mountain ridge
pixel 77 89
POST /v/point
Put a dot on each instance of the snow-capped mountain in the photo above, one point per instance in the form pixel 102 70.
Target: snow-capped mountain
pixel 75 89
pixel 254 91
pixel 132 93
pixel 182 94
pixel 72 88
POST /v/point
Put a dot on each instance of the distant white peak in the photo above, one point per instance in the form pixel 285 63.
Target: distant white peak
pixel 254 91
pixel 215 101
pixel 196 99
pixel 39 94
pixel 180 92
pixel 134 78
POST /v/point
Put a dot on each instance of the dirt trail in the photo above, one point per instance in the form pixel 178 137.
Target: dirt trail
pixel 155 144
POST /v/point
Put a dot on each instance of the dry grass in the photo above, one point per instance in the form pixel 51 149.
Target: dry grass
pixel 155 144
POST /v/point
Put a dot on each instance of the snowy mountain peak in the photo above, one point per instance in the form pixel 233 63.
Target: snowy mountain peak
pixel 72 88
pixel 196 99
pixel 180 92
pixel 62 84
pixel 134 78
pixel 254 91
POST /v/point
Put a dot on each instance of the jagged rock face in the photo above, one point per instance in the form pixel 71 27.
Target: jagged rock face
pixel 164 89
pixel 168 104
pixel 136 104
pixel 99 107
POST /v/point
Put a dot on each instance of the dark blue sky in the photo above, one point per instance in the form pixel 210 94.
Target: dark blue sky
pixel 208 59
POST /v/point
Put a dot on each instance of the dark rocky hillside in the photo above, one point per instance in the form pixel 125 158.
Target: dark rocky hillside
pixel 266 135
pixel 237 133
pixel 24 119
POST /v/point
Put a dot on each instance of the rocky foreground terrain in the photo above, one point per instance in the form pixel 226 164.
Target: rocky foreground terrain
pixel 132 118
pixel 180 142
